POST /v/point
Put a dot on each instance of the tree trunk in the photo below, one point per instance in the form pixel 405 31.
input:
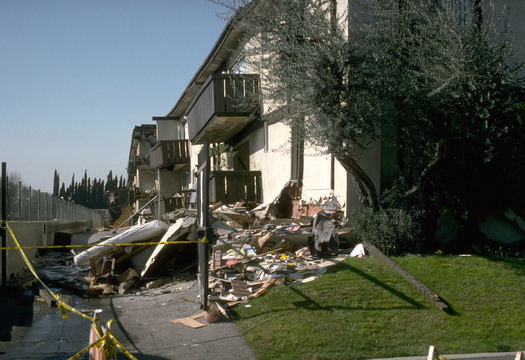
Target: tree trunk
pixel 425 174
pixel 363 185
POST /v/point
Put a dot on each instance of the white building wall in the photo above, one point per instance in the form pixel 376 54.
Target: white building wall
pixel 316 175
pixel 274 164
pixel 167 130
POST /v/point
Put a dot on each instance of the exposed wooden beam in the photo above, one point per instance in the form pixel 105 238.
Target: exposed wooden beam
pixel 418 285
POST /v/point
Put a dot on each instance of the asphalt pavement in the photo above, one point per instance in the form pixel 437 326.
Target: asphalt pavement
pixel 141 322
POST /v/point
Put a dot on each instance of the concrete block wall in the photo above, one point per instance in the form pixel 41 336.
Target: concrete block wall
pixel 33 233
pixel 27 233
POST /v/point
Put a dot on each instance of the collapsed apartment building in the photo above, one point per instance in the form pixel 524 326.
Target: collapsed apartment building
pixel 277 207
pixel 272 200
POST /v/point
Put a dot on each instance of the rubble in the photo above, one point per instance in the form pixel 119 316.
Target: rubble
pixel 133 234
pixel 251 252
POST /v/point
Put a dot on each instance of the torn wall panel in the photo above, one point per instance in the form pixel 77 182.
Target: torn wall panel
pixel 134 234
pixel 182 230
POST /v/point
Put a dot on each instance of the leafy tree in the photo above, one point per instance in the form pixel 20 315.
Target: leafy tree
pixel 14 180
pixel 443 78
pixel 454 86
pixel 88 193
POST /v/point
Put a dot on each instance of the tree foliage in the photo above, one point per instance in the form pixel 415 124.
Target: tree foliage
pixel 451 78
pixel 442 75
pixel 87 192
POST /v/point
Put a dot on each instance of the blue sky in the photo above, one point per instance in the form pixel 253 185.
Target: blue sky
pixel 77 75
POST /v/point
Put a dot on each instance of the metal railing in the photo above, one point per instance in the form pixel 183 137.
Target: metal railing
pixel 26 204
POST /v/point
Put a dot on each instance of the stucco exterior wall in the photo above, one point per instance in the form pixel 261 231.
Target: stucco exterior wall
pixel 167 130
pixel 274 164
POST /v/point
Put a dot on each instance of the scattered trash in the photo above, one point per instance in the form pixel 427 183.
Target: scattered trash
pixel 190 321
pixel 252 251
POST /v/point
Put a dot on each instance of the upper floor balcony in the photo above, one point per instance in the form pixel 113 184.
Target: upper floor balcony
pixel 169 153
pixel 222 107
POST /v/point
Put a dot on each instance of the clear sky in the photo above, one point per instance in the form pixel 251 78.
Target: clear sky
pixel 76 76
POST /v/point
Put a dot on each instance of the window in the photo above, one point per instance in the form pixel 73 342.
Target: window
pixel 240 66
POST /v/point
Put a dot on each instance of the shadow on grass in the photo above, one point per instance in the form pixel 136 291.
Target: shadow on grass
pixel 515 263
pixel 310 304
pixel 344 266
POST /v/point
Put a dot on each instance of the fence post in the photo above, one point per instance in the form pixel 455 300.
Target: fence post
pixel 3 231
pixel 30 202
pixel 19 201
pixel 38 206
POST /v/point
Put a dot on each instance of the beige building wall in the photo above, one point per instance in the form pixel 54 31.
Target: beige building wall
pixel 275 163
pixel 317 177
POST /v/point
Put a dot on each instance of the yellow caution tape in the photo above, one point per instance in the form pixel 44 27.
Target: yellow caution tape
pixel 30 267
pixel 441 358
pixel 63 310
pixel 107 341
pixel 109 348
pixel 83 351
pixel 93 245
pixel 121 348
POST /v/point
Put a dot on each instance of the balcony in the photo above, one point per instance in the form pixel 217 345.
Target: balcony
pixel 220 109
pixel 142 161
pixel 169 153
pixel 233 186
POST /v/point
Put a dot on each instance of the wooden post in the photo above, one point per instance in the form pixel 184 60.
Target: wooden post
pixel 432 353
pixel 418 285
pixel 205 233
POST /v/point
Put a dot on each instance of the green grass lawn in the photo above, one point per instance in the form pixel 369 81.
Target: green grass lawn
pixel 360 309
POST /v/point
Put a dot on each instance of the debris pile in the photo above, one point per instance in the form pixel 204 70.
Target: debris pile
pixel 252 251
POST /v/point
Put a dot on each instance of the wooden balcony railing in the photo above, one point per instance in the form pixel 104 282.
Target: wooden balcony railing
pixel 221 107
pixel 232 186
pixel 168 153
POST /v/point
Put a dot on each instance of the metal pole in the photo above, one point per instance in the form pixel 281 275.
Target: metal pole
pixel 30 198
pixel 19 201
pixel 3 231
pixel 38 206
pixel 158 204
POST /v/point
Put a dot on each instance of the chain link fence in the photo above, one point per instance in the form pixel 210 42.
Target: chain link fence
pixel 26 204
